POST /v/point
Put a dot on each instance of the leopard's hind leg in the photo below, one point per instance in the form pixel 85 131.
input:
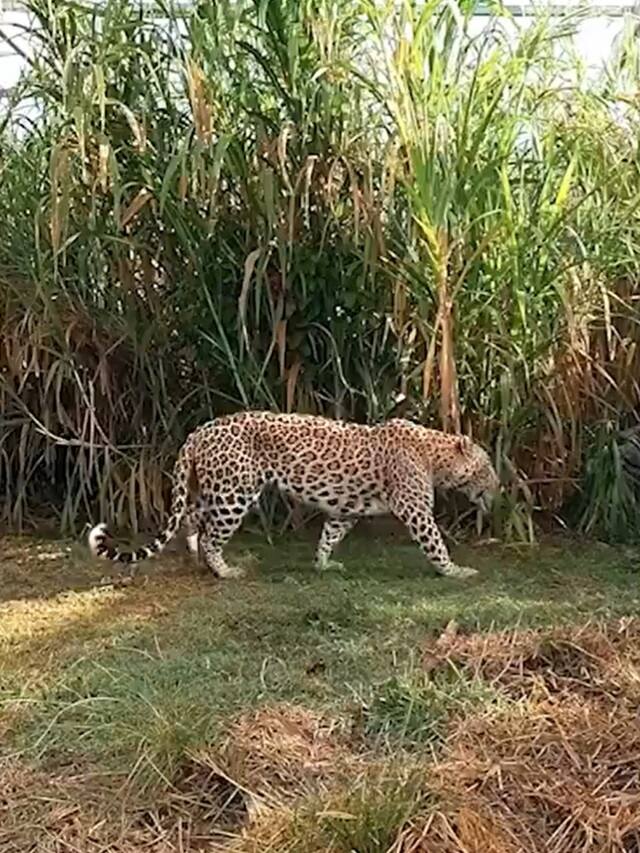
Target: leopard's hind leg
pixel 191 527
pixel 220 515
pixel 333 532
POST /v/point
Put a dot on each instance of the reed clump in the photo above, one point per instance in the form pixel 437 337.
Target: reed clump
pixel 316 206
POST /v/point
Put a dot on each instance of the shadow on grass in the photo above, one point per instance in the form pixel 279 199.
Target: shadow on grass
pixel 386 593
pixel 32 569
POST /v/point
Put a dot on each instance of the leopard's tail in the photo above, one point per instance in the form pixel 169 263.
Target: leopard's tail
pixel 183 477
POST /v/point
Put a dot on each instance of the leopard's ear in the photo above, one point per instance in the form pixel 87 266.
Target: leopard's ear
pixel 463 444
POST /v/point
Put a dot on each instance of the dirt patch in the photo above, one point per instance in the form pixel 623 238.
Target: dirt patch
pixel 199 811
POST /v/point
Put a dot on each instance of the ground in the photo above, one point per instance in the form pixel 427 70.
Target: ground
pixel 379 708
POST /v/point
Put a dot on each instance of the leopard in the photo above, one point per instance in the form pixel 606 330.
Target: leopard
pixel 344 469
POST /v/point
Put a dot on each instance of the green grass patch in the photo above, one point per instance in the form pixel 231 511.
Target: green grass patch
pixel 413 709
pixel 134 678
pixel 366 818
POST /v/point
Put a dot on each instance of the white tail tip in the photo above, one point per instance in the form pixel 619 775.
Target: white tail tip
pixel 97 536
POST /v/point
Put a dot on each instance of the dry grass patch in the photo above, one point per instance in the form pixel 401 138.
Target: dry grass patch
pixel 77 810
pixel 561 776
pixel 270 757
pixel 284 752
pixel 556 769
pixel 601 660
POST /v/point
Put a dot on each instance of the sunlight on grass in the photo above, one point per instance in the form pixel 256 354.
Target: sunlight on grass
pixel 29 619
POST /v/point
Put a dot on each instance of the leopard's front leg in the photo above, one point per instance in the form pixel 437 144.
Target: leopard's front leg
pixel 411 501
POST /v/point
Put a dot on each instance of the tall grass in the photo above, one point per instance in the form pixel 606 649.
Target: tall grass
pixel 319 206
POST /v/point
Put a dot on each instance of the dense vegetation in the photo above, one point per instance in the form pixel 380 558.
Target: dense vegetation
pixel 316 205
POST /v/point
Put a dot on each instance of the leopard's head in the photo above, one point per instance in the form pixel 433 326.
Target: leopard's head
pixel 471 472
